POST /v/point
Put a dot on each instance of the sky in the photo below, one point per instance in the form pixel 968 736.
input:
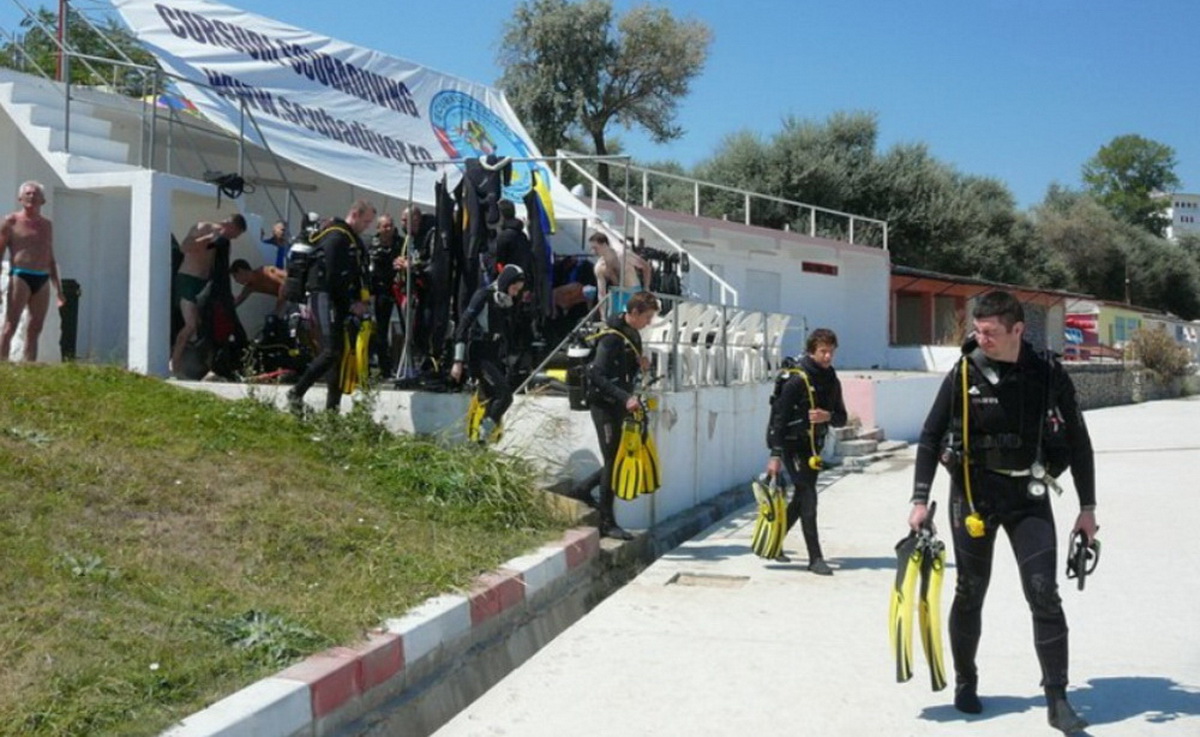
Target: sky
pixel 1024 91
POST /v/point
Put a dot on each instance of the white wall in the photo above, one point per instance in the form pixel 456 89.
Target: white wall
pixel 708 440
pixel 854 303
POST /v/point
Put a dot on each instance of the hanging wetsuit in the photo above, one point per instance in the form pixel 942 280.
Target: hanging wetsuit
pixel 1011 407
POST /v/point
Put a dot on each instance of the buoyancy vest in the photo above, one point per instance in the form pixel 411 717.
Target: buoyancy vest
pixel 1012 410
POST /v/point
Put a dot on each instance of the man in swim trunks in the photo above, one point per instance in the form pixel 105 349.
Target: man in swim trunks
pixel 195 272
pixel 610 263
pixel 263 280
pixel 28 237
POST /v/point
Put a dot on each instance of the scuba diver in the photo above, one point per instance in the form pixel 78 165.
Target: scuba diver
pixel 481 342
pixel 338 289
pixel 1005 423
pixel 807 402
pixel 612 377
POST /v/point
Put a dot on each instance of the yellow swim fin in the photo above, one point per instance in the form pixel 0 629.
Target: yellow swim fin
pixel 767 541
pixel 929 610
pixel 476 409
pixel 900 611
pixel 627 468
pixel 649 456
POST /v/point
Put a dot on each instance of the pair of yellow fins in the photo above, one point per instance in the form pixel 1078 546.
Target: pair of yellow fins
pixel 919 557
pixel 636 470
pixel 356 358
pixel 770 527
pixel 476 412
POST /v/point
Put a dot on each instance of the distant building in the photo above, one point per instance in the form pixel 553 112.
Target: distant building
pixel 1184 213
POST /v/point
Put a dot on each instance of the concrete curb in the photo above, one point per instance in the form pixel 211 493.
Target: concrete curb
pixel 328 689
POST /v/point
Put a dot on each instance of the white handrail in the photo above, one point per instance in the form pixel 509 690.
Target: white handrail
pixel 729 295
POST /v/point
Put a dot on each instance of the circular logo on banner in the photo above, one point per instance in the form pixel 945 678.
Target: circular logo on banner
pixel 467 128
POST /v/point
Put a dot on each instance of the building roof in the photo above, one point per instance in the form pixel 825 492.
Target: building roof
pixel 907 278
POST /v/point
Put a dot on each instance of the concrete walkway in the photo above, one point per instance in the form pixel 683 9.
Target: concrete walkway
pixel 711 641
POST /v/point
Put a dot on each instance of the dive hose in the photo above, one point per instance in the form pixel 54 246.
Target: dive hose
pixel 974 522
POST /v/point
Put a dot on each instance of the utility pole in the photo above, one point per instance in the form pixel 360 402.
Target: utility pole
pixel 62 39
pixel 1128 301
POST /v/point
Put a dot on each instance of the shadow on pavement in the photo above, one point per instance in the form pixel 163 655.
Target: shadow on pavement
pixel 1101 701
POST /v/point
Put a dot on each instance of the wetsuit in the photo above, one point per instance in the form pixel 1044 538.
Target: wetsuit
pixel 788 439
pixel 612 376
pixel 340 277
pixel 383 302
pixel 1011 406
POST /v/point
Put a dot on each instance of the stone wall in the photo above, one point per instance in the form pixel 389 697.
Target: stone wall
pixel 1110 384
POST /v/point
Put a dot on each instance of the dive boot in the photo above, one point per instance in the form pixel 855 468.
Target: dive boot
pixel 1060 714
pixel 966 698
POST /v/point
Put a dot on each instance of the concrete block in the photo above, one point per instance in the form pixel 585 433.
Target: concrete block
pixel 493 593
pixel 272 707
pixel 441 619
pixel 581 545
pixel 540 568
pixel 382 657
pixel 851 448
pixel 334 677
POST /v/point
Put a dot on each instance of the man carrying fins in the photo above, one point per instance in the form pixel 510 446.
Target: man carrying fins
pixel 1005 423
pixel 807 401
pixel 617 410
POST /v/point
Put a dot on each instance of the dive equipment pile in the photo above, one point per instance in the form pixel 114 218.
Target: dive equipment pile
pixel 1083 556
pixel 770 528
pixel 920 555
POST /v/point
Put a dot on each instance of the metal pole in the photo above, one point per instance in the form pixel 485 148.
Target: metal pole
pixel 60 69
pixel 402 371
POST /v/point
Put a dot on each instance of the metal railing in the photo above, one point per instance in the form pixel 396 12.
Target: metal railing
pixel 728 295
pixel 153 81
pixel 848 224
pixel 699 344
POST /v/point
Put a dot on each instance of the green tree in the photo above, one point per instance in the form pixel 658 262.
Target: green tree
pixel 37 49
pixel 569 71
pixel 1129 177
pixel 1086 236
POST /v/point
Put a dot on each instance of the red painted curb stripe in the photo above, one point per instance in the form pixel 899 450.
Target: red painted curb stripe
pixel 381 657
pixel 333 677
pixel 581 544
pixel 494 593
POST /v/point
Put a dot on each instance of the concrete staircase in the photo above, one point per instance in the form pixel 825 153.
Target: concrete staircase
pixel 38 108
pixel 853 448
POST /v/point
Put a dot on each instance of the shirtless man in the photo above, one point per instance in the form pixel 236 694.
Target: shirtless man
pixel 199 252
pixel 28 237
pixel 263 280
pixel 608 271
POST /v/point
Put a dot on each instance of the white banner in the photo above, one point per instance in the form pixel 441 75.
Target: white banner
pixel 355 114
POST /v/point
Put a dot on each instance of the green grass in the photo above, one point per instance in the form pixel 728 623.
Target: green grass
pixel 163 547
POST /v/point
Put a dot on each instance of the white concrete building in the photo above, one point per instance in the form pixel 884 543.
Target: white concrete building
pixel 1184 213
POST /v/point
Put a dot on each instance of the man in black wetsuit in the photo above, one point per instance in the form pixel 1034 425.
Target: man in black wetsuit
pixel 1023 427
pixel 808 403
pixel 339 284
pixel 482 342
pixel 612 378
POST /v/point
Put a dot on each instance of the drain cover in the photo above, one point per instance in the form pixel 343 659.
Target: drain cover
pixel 711 580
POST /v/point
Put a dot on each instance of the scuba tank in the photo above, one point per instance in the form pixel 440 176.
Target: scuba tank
pixel 299 260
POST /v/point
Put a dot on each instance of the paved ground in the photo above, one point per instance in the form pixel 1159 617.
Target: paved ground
pixel 710 641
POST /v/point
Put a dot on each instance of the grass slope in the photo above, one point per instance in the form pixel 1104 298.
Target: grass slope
pixel 163 547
